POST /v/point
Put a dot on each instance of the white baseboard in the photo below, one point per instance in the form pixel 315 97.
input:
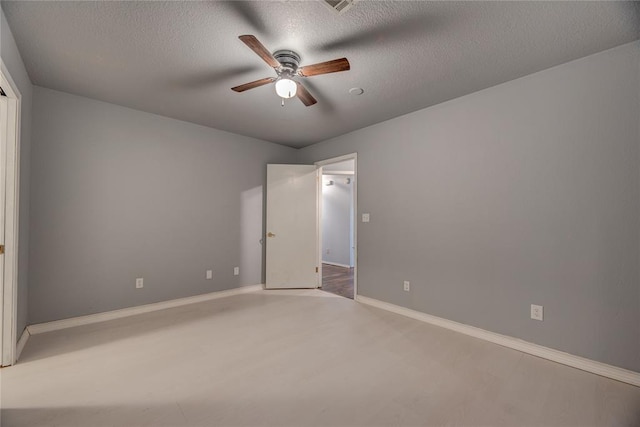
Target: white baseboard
pixel 22 342
pixel 598 368
pixel 336 264
pixel 40 328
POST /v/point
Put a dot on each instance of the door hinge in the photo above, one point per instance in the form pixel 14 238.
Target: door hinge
pixel 3 252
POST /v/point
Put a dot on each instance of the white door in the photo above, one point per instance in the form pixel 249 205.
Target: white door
pixel 292 226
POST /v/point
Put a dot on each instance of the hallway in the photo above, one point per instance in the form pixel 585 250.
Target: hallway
pixel 337 280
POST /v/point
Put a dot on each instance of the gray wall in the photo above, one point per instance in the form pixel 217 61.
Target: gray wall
pixel 13 62
pixel 336 220
pixel 119 194
pixel 524 193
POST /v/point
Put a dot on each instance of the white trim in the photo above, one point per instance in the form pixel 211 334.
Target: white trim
pixel 337 172
pixel 132 311
pixel 12 184
pixel 598 368
pixel 320 164
pixel 318 226
pixel 336 159
pixel 22 342
pixel 336 264
pixel 319 209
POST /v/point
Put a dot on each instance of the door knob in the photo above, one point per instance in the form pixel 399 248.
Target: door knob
pixel 270 234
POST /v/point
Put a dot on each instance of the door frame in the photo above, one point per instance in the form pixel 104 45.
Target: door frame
pixel 9 285
pixel 319 165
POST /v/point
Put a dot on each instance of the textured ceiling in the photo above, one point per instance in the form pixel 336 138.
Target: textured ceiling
pixel 180 59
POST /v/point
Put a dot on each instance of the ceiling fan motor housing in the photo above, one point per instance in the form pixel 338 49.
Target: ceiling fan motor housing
pixel 289 59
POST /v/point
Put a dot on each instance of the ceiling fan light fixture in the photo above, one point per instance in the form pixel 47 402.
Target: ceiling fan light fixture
pixel 286 88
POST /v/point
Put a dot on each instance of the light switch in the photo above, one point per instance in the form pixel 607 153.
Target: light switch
pixel 365 217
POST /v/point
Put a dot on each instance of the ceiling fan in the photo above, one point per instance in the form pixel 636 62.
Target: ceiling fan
pixel 286 63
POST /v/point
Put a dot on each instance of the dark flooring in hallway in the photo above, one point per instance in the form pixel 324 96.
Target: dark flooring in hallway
pixel 337 280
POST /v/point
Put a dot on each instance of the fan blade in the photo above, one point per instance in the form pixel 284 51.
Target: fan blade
pixel 304 95
pixel 334 66
pixel 252 85
pixel 248 12
pixel 255 45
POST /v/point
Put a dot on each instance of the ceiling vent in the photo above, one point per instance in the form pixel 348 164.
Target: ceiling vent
pixel 339 6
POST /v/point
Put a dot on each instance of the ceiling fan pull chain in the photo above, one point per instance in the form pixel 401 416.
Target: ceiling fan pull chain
pixel 282 101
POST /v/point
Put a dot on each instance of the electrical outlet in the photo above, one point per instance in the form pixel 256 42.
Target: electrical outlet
pixel 139 283
pixel 209 274
pixel 407 286
pixel 365 217
pixel 327 251
pixel 536 312
pixel 236 271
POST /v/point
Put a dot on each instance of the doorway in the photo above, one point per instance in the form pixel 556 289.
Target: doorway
pixel 338 226
pixel 293 233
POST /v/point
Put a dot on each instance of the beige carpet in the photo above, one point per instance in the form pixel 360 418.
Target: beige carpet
pixel 295 358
